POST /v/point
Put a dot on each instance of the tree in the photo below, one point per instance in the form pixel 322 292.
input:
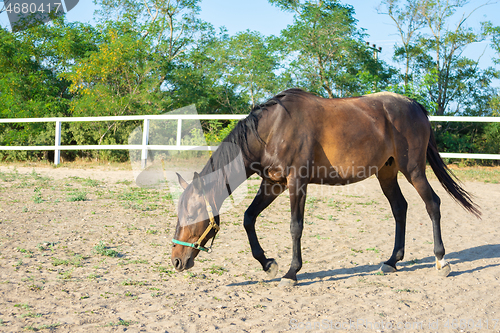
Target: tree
pixel 448 81
pixel 170 27
pixel 408 18
pixel 326 51
pixel 30 85
pixel 249 62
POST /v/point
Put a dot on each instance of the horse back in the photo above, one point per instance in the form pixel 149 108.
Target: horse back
pixel 344 140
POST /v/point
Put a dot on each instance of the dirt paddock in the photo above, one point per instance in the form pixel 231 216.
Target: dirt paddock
pixel 84 250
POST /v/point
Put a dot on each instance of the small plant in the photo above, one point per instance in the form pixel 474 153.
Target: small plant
pixel 90 182
pixel 407 290
pixel 190 274
pixel 37 197
pixel 163 269
pixel 41 327
pixel 412 262
pixel 77 196
pixel 31 315
pixel 67 275
pixel 121 322
pixel 130 282
pixel 76 261
pixel 24 306
pixel 219 270
pixel 103 250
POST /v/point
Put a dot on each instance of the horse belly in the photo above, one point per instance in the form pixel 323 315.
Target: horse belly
pixel 344 159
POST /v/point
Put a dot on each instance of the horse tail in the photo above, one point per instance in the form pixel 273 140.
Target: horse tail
pixel 447 178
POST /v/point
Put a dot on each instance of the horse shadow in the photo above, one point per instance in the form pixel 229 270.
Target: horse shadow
pixel 490 251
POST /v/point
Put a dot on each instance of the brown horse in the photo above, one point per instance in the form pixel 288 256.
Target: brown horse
pixel 296 139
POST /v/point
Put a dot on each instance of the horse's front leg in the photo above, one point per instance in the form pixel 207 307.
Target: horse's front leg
pixel 298 191
pixel 266 195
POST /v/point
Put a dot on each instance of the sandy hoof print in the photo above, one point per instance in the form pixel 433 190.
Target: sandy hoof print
pixel 387 269
pixel 273 270
pixel 287 283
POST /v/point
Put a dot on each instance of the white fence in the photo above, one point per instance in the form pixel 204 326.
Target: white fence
pixel 144 147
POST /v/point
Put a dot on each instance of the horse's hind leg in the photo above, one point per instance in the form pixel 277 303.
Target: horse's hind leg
pixel 388 180
pixel 432 204
pixel 266 195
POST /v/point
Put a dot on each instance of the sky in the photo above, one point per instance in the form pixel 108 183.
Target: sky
pixel 259 15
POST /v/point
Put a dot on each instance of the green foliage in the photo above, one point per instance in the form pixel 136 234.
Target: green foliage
pixel 103 250
pixel 154 56
pixel 327 54
pixel 77 196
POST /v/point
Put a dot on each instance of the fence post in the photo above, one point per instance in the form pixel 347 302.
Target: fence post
pixel 57 152
pixel 145 139
pixel 179 132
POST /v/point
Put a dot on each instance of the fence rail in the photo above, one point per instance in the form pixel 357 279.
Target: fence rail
pixel 144 147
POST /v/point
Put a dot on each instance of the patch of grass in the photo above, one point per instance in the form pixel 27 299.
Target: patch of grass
pixel 121 322
pixel 76 261
pixel 77 196
pixel 103 250
pixel 482 174
pixel 47 245
pixel 130 282
pixel 41 327
pixel 151 231
pixel 27 253
pixel 37 197
pixel 369 203
pixel 373 249
pixel 163 269
pixel 135 261
pixel 91 182
pixel 31 315
pixel 24 306
pixel 124 182
pixel 214 269
pixel 34 287
pixel 66 275
pixel 357 251
pixel 407 290
pixel 412 262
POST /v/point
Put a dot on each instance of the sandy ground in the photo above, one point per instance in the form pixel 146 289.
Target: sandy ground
pixel 55 274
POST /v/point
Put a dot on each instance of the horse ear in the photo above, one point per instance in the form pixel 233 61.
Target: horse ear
pixel 182 182
pixel 197 182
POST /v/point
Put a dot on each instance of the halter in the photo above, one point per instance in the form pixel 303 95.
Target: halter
pixel 211 226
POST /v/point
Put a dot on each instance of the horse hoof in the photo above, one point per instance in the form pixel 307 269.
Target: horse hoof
pixel 445 270
pixel 387 269
pixel 287 283
pixel 272 270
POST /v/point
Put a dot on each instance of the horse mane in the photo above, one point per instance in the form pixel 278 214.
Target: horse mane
pixel 237 141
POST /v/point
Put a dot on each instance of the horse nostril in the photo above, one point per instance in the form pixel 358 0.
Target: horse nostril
pixel 177 263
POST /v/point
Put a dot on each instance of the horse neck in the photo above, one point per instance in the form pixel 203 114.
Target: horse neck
pixel 225 180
